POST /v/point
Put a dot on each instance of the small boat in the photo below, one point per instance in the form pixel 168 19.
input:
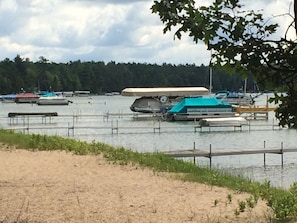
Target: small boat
pixel 8 98
pixel 160 99
pixel 222 122
pixel 198 108
pixel 52 99
pixel 154 104
pixel 68 93
pixel 114 93
pixel 26 98
pixel 235 98
pixel 82 93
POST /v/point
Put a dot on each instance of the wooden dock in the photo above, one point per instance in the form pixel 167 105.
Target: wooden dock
pixel 228 152
pixel 24 114
pixel 14 116
pixel 256 111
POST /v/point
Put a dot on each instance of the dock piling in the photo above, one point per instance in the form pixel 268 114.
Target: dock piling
pixel 116 128
pixel 194 158
pixel 210 156
pixel 282 154
pixel 264 155
pixel 158 128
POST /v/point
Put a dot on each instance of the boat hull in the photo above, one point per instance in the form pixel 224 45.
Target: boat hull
pixel 197 117
pixel 9 98
pixel 52 101
pixel 228 121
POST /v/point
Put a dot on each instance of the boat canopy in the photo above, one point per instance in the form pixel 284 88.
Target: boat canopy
pixel 26 95
pixel 165 91
pixel 207 102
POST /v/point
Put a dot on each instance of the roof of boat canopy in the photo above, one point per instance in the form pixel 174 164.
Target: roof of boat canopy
pixel 198 102
pixel 165 91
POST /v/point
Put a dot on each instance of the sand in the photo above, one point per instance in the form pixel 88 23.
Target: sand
pixel 62 187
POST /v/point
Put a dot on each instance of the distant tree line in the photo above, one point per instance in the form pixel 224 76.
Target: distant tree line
pixel 100 77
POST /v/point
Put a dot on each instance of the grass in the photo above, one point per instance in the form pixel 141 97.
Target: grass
pixel 282 202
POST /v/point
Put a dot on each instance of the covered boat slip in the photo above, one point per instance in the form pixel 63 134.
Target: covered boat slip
pixel 160 99
pixel 165 91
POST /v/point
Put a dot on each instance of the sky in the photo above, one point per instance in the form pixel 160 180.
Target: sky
pixel 102 30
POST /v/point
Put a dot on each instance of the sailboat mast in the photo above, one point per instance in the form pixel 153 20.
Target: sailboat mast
pixel 210 80
pixel 245 84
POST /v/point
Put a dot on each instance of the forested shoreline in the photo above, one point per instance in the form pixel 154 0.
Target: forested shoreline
pixel 100 77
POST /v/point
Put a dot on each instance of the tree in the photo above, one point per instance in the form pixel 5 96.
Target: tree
pixel 240 41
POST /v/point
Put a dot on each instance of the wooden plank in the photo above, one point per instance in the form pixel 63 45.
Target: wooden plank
pixel 254 109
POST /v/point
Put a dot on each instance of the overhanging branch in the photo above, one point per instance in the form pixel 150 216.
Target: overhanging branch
pixel 295 12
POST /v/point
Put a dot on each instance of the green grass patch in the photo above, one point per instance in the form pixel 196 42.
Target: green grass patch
pixel 283 202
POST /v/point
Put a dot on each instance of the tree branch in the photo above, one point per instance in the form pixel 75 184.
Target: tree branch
pixel 295 11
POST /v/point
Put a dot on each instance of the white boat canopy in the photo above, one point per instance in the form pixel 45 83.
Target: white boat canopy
pixel 165 91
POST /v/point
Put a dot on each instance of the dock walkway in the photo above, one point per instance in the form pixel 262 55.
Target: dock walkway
pixel 22 114
pixel 228 152
pixel 255 111
pixel 14 116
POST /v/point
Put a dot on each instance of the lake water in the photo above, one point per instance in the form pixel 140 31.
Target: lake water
pixel 89 118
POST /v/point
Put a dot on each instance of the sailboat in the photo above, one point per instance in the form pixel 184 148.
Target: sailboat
pixel 235 98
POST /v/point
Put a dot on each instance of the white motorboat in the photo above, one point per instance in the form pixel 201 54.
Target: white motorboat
pixel 226 121
pixel 52 100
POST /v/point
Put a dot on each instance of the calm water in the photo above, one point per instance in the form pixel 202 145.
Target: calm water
pixel 88 116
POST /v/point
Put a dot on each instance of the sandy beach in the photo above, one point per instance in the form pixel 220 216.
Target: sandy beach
pixel 62 187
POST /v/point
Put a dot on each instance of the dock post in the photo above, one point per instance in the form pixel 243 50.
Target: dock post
pixel 159 127
pixel 264 155
pixel 194 158
pixel 282 154
pixel 266 107
pixel 210 156
pixel 159 123
pixel 70 128
pixel 116 129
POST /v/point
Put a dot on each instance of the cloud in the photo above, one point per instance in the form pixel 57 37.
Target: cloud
pixel 99 30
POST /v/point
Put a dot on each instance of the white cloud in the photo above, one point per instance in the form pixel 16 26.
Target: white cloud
pixel 105 30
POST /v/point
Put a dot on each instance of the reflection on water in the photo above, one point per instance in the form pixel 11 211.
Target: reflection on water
pixel 278 176
pixel 109 120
